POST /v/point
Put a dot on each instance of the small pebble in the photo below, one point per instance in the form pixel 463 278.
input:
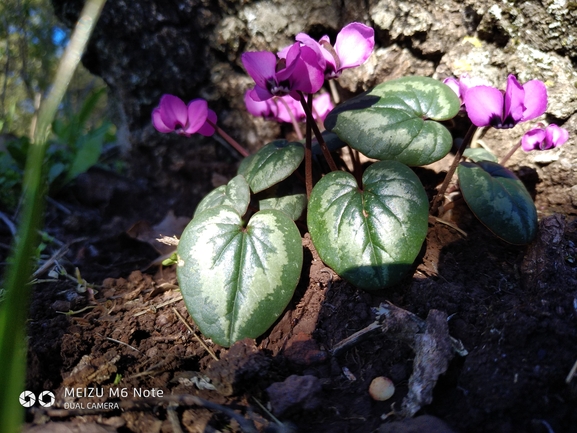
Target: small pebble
pixel 381 388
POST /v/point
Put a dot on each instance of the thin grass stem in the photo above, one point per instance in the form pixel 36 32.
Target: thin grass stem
pixel 14 308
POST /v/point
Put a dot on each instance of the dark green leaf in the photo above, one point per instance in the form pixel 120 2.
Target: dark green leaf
pixel 500 200
pixel 371 236
pixel 288 196
pixel 89 150
pixel 274 162
pixel 397 120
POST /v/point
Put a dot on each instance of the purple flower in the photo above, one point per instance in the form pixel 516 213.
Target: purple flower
pixel 544 139
pixel 322 106
pixel 354 45
pixel 267 109
pixel 488 106
pixel 298 71
pixel 464 83
pixel 172 115
pixel 277 108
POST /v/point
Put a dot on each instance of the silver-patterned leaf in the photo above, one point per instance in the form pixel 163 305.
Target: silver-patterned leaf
pixel 369 236
pixel 273 163
pixel 236 194
pixel 397 120
pixel 237 280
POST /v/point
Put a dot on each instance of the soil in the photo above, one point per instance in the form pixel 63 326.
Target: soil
pixel 513 308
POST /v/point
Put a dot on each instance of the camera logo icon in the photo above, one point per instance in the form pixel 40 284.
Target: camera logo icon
pixel 46 399
pixel 27 399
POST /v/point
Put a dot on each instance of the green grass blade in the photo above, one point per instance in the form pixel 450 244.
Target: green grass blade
pixel 14 308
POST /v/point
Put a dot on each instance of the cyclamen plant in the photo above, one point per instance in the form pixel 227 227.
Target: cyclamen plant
pixel 240 258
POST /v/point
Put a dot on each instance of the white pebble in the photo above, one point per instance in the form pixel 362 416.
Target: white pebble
pixel 381 388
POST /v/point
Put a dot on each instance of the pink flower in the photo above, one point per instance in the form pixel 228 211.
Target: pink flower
pixel 172 115
pixel 277 108
pixel 322 106
pixel 298 71
pixel 267 109
pixel 354 45
pixel 488 106
pixel 544 139
pixel 464 83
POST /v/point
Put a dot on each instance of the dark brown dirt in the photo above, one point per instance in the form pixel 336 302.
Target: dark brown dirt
pixel 513 308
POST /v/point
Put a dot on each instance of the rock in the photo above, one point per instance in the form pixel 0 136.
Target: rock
pixel 384 64
pixel 432 30
pixel 296 393
pixel 192 48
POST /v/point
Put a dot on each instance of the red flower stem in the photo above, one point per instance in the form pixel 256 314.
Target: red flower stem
pixel 441 193
pixel 316 130
pixel 229 139
pixel 308 153
pixel 296 126
pixel 510 153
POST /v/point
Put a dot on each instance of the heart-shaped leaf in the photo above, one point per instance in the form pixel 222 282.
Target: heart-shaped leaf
pixel 397 120
pixel 236 194
pixel 479 154
pixel 272 163
pixel 236 281
pixel 371 236
pixel 288 196
pixel 500 200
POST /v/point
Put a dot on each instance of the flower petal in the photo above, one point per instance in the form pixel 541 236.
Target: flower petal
pixel 207 129
pixel 260 65
pixel 532 140
pixel 173 111
pixel 197 112
pixel 286 103
pixel 354 44
pixel 307 76
pixel 158 123
pixel 292 58
pixel 330 61
pixel 314 45
pixel 322 105
pixel 256 108
pixel 555 136
pixel 483 104
pixel 535 99
pixel 514 102
pixel 454 84
pixel 260 94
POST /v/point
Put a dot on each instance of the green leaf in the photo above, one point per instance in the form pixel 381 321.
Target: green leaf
pixel 55 170
pixel 235 194
pixel 397 120
pixel 89 105
pixel 172 260
pixel 274 162
pixel 500 201
pixel 89 150
pixel 371 236
pixel 479 154
pixel 288 196
pixel 237 281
